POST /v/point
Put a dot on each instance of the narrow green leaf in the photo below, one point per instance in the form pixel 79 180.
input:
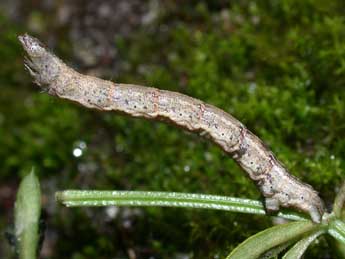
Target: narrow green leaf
pixel 275 251
pixel 27 214
pixel 337 230
pixel 73 198
pixel 258 244
pixel 301 246
pixel 339 201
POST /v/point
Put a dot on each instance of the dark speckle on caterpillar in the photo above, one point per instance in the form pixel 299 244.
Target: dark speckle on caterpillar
pixel 276 184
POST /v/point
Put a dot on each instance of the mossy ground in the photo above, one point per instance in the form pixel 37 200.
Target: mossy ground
pixel 277 66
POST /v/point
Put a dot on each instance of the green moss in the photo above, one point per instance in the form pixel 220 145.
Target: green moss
pixel 278 66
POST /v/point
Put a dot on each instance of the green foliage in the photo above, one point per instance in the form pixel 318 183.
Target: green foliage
pixel 265 244
pixel 77 198
pixel 259 243
pixel 278 66
pixel 273 66
pixel 301 246
pixel 27 216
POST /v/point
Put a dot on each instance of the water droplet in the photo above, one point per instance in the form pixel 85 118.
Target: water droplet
pixel 77 152
pixel 112 211
pixel 82 145
pixel 186 168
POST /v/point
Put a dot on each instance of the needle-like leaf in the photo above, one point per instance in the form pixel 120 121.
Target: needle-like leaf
pixel 339 201
pixel 274 252
pixel 27 215
pixel 337 230
pixel 256 245
pixel 297 251
pixel 74 198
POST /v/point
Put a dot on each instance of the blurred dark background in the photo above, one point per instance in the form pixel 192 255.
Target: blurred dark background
pixel 278 66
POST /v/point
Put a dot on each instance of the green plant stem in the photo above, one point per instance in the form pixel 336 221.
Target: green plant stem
pixel 75 198
pixel 337 230
pixel 339 201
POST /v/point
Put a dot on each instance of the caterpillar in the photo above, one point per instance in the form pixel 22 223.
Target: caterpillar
pixel 276 184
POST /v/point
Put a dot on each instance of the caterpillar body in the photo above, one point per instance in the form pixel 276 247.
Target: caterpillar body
pixel 276 184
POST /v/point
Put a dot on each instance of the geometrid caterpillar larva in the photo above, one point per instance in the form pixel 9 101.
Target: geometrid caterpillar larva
pixel 277 186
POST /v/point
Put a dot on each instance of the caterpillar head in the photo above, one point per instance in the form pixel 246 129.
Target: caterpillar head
pixel 43 66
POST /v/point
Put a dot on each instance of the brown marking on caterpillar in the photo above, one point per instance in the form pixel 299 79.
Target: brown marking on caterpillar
pixel 242 147
pixel 201 110
pixel 155 96
pixel 276 184
pixel 111 91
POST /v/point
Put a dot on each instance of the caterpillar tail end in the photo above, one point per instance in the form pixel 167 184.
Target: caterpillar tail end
pixel 316 213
